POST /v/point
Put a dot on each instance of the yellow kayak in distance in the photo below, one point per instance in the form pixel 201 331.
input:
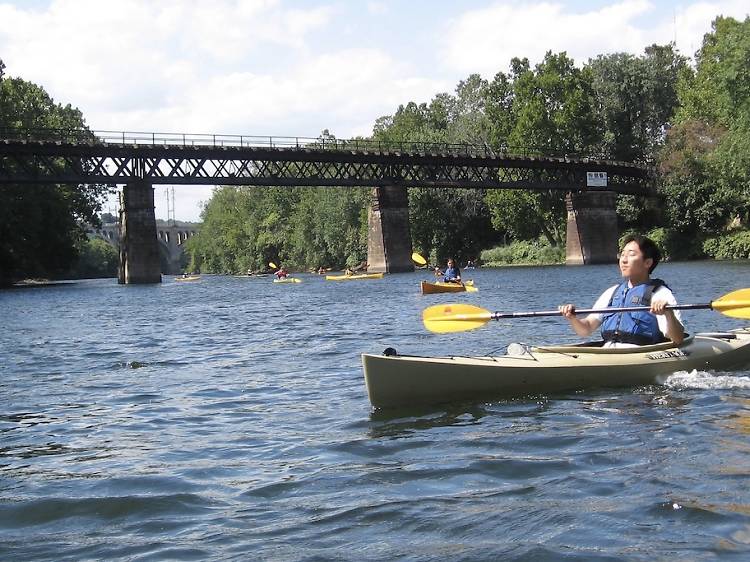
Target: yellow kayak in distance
pixel 428 288
pixel 354 277
pixel 188 278
pixel 288 280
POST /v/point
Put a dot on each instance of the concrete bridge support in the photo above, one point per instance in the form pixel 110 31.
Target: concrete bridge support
pixel 139 246
pixel 389 239
pixel 592 235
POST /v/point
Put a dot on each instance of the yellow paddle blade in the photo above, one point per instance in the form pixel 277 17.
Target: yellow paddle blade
pixel 735 304
pixel 416 258
pixel 272 265
pixel 471 288
pixel 444 318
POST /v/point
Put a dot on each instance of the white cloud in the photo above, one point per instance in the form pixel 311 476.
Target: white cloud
pixel 690 23
pixel 484 40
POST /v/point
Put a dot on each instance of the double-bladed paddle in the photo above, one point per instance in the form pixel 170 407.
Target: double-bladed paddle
pixel 445 318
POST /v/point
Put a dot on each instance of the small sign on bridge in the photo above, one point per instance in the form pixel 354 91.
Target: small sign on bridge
pixel 596 179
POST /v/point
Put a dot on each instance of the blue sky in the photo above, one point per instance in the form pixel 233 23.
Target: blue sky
pixel 294 68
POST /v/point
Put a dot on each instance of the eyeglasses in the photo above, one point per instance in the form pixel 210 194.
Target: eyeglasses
pixel 629 254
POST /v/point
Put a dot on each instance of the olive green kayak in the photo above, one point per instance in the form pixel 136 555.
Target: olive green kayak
pixel 399 380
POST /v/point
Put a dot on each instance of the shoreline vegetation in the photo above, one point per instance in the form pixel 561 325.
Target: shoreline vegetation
pixel 730 245
pixel 727 246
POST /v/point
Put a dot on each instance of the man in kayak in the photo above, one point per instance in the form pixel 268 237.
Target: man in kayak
pixel 638 258
pixel 452 273
pixel 282 273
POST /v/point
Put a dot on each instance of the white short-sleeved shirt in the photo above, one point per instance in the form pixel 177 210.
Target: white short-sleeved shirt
pixel 662 293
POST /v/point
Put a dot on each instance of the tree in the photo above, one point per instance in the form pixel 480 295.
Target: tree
pixel 449 222
pixel 545 110
pixel 695 204
pixel 636 98
pixel 41 225
pixel 635 102
pixel 706 159
pixel 719 90
pixel 96 258
pixel 302 227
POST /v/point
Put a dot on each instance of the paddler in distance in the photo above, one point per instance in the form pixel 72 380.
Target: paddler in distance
pixel 638 258
pixel 282 273
pixel 452 272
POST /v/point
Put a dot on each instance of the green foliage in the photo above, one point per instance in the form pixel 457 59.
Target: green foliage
pixel 553 107
pixel 96 259
pixel 636 98
pixel 734 245
pixel 40 224
pixel 525 214
pixel 672 244
pixel 450 222
pixel 548 109
pixel 445 222
pixel 696 201
pixel 706 161
pixel 330 228
pixel 719 91
pixel 38 234
pixel 244 228
pixel 524 252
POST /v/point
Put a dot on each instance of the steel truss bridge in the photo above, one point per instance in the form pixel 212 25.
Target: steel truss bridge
pixel 107 157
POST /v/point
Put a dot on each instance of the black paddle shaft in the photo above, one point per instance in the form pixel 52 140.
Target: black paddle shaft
pixel 499 315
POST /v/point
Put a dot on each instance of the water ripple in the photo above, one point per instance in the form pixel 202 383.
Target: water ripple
pixel 228 419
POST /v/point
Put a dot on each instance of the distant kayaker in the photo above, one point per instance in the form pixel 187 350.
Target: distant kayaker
pixel 638 258
pixel 452 273
pixel 282 273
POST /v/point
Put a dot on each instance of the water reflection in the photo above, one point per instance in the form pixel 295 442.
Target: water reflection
pixel 395 422
pixel 400 422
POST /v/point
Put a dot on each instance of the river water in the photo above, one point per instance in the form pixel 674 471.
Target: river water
pixel 227 419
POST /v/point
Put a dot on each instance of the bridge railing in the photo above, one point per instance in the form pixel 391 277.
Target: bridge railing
pixel 131 138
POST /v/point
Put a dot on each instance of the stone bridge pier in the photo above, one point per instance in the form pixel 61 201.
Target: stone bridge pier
pixel 139 246
pixel 389 239
pixel 592 235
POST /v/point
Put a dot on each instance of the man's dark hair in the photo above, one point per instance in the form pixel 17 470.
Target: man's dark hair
pixel 648 247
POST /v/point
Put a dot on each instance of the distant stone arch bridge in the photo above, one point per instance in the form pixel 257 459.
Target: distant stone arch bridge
pixel 171 236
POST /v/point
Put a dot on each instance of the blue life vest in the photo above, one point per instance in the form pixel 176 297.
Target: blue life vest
pixel 638 327
pixel 451 274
